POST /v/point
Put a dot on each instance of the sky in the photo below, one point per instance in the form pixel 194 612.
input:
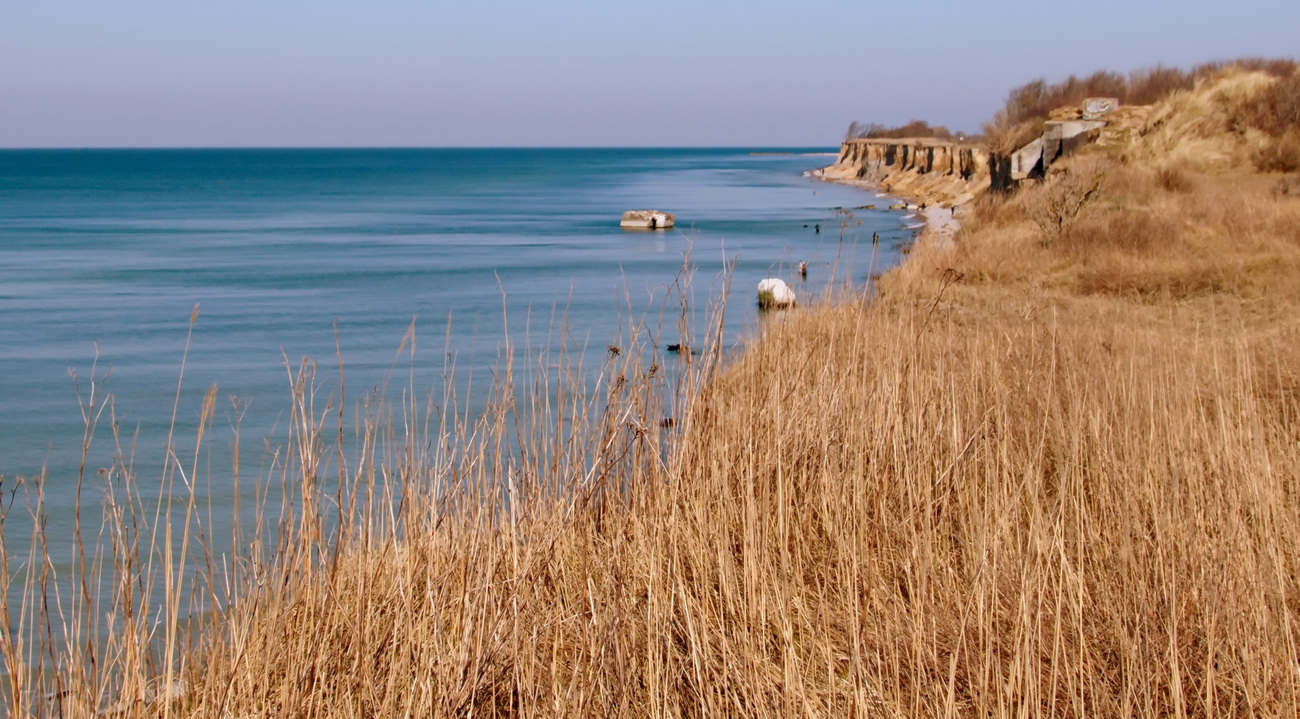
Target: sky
pixel 504 73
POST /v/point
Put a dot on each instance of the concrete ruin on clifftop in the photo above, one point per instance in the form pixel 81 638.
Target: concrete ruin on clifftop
pixel 950 173
pixel 1063 135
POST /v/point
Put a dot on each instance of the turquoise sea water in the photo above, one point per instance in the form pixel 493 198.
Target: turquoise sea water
pixel 108 252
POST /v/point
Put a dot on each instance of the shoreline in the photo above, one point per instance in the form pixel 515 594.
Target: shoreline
pixel 933 178
pixel 941 223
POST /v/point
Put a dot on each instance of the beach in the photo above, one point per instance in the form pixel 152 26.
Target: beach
pixel 940 212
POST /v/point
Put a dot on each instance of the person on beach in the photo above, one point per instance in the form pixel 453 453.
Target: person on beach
pixel 817 228
pixel 875 238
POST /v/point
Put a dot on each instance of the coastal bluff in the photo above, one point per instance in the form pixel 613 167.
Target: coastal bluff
pixel 925 169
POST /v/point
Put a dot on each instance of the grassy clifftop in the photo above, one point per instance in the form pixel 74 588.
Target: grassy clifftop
pixel 1178 202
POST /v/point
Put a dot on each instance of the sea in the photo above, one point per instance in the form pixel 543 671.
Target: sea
pixel 127 274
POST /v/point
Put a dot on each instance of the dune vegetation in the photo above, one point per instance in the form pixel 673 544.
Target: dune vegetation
pixel 1049 469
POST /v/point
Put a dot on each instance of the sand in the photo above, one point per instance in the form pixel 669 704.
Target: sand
pixel 941 223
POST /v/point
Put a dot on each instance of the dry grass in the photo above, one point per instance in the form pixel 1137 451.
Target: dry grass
pixel 1028 479
pixel 1288 186
pixel 1226 234
pixel 1279 154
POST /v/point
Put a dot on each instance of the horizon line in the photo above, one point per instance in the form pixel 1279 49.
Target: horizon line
pixel 414 147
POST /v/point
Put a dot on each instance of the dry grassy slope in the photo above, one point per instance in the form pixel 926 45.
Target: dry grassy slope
pixel 1135 361
pixel 1199 129
pixel 1180 214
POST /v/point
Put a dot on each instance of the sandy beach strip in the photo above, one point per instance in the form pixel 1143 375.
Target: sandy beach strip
pixel 941 223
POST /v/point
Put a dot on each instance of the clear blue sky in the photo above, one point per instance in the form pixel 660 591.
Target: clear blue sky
pixel 143 73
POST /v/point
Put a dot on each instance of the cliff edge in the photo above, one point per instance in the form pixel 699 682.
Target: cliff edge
pixel 926 170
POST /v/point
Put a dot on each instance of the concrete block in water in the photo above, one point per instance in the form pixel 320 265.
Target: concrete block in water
pixel 646 220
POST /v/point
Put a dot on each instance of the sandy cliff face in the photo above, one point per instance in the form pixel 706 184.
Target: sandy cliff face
pixel 921 169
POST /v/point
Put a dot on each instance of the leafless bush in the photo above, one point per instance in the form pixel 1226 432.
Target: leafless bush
pixel 1064 196
pixel 914 128
pixel 1281 154
pixel 1004 138
pixel 1173 179
pixel 1277 67
pixel 1156 83
pixel 858 130
pixel 1288 186
pixel 1275 109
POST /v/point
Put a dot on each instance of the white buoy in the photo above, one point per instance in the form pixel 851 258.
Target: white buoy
pixel 775 293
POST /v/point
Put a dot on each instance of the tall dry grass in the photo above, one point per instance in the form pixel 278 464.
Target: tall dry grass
pixel 1127 230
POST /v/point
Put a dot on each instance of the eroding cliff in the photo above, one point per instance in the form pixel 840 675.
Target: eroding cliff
pixel 921 169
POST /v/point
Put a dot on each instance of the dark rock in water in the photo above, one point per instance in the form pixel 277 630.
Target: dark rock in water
pixel 678 348
pixel 667 422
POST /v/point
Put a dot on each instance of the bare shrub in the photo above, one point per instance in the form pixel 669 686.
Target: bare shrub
pixel 1275 109
pixel 1153 84
pixel 1004 138
pixel 859 130
pixel 1066 193
pixel 914 128
pixel 1280 154
pixel 1173 179
pixel 1277 67
pixel 1037 98
pixel 1288 186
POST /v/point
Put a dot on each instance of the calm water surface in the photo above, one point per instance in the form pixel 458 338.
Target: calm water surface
pixel 108 252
